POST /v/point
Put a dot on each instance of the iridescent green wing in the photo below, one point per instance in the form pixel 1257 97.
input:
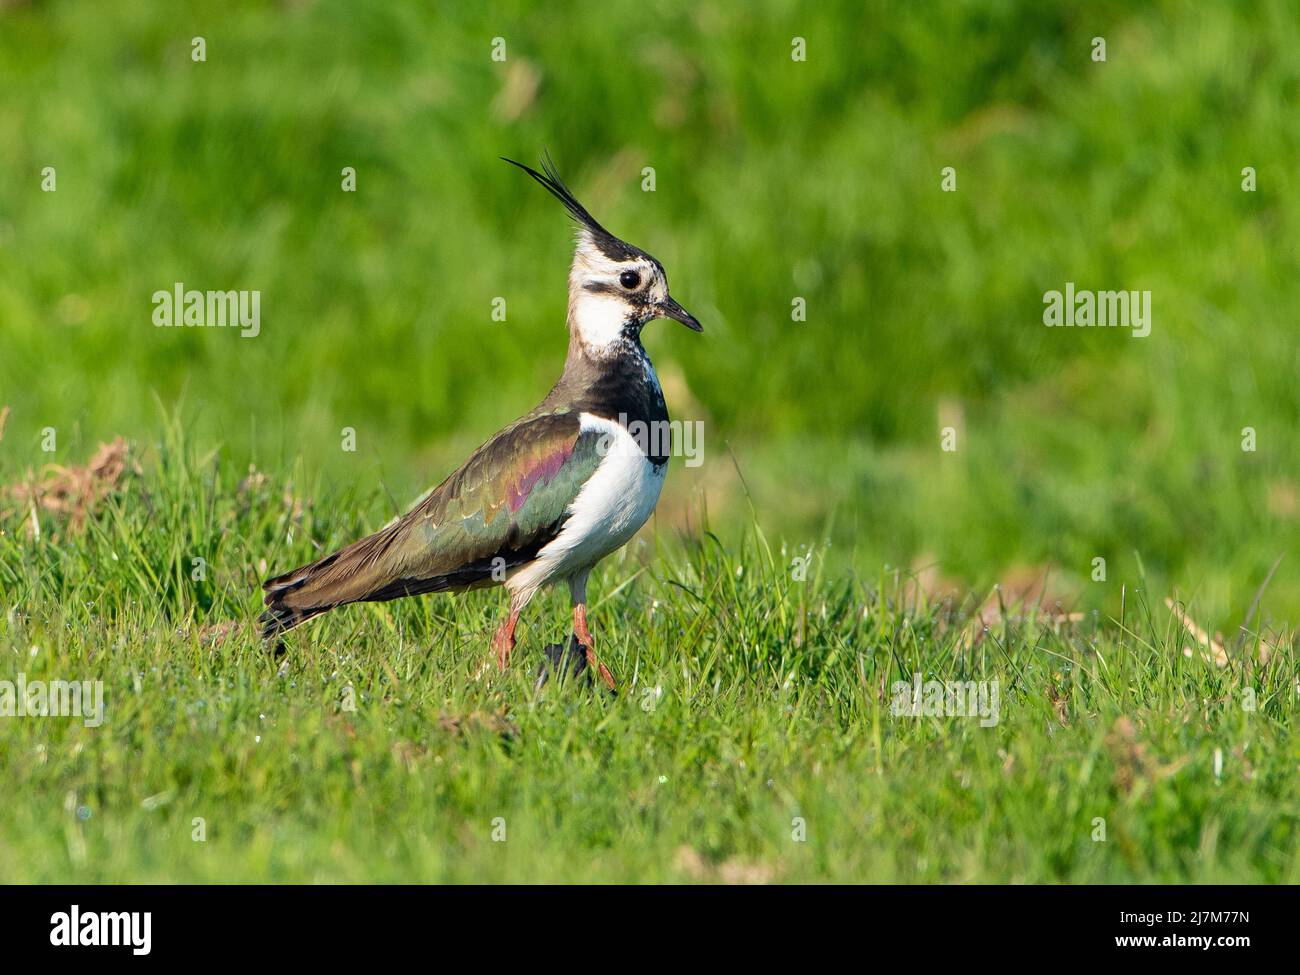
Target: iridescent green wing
pixel 496 512
pixel 507 501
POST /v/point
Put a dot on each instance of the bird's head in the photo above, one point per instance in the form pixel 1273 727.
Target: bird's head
pixel 614 287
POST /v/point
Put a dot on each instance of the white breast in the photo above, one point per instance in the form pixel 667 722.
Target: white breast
pixel 609 509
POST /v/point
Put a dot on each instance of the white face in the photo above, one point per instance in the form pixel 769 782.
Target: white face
pixel 612 298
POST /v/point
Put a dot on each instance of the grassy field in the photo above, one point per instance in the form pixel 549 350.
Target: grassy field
pixel 827 547
pixel 755 708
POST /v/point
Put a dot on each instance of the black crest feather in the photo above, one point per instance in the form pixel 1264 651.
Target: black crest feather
pixel 610 245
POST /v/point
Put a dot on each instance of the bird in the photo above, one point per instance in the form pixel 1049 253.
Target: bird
pixel 544 500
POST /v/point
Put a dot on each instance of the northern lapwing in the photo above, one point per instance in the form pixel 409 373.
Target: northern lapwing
pixel 550 495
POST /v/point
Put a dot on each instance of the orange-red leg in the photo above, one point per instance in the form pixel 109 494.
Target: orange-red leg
pixel 588 644
pixel 504 641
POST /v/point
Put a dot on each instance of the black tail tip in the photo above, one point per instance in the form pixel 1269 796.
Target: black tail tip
pixel 275 621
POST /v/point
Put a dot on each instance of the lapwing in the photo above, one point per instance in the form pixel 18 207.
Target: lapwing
pixel 553 493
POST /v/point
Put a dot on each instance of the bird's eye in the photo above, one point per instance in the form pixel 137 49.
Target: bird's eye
pixel 629 280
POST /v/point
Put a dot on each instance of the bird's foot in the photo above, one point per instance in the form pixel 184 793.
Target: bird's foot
pixel 594 662
pixel 583 635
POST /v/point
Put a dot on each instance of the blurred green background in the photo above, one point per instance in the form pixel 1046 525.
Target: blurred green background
pixel 775 179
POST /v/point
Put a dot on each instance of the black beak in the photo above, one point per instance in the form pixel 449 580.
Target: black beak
pixel 668 308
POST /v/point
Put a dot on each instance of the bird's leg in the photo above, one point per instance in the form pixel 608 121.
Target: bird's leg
pixel 578 591
pixel 504 641
pixel 588 644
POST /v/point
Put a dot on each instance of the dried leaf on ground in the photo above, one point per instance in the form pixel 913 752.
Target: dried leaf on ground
pixel 1212 648
pixel 1038 593
pixel 74 493
pixel 734 870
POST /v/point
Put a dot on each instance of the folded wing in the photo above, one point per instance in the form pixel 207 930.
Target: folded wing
pixel 493 514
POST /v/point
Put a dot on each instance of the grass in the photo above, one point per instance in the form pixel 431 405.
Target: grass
pixel 775 179
pixel 751 701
